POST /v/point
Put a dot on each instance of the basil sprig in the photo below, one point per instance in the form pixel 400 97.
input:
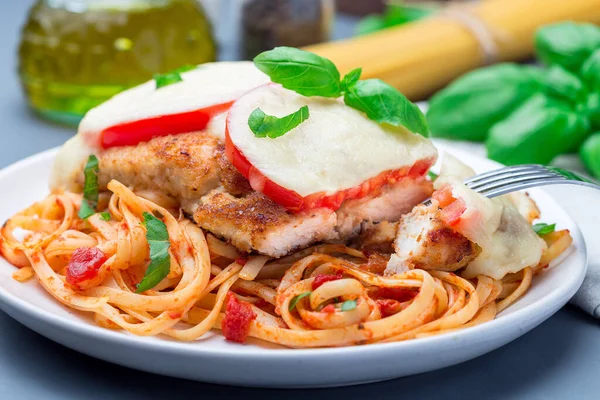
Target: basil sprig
pixel 105 216
pixel 90 188
pixel 172 77
pixel 590 154
pixel 543 229
pixel 263 125
pixel 311 75
pixel 160 260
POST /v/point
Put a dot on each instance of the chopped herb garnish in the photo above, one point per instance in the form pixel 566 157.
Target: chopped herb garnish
pixel 160 260
pixel 543 229
pixel 296 299
pixel 90 188
pixel 172 77
pixel 349 305
pixel 432 175
pixel 105 216
pixel 263 125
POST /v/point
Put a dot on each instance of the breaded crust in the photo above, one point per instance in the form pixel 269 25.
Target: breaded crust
pixel 182 166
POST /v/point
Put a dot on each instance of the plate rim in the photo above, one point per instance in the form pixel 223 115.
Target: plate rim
pixel 87 330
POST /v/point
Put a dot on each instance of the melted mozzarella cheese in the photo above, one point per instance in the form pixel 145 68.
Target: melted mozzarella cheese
pixel 514 246
pixel 336 148
pixel 209 84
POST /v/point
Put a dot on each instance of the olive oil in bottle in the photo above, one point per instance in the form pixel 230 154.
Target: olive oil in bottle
pixel 75 54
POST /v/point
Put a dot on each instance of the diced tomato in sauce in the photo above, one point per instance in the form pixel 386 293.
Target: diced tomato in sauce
pixel 396 293
pixel 388 307
pixel 328 309
pixel 322 278
pixel 296 203
pixel 143 130
pixel 238 316
pixel 84 265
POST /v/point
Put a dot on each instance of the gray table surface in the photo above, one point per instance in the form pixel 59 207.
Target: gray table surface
pixel 558 360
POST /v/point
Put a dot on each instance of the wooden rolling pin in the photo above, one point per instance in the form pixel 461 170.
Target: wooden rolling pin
pixel 421 57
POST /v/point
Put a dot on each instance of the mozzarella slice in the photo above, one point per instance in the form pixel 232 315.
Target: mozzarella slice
pixel 208 85
pixel 336 148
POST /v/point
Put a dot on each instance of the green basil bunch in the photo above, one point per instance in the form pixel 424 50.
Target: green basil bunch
pixel 530 114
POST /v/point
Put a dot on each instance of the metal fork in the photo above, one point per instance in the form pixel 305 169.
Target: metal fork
pixel 519 177
pixel 512 179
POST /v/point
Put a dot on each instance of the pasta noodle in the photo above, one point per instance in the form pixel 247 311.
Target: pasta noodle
pixel 327 295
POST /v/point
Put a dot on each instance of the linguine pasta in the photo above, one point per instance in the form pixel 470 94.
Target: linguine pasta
pixel 323 296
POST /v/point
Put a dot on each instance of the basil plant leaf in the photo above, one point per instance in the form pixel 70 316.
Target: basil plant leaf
pixel 567 44
pixel 263 125
pixel 590 108
pixel 590 71
pixel 172 77
pixel 303 72
pixel 534 133
pixel 590 154
pixel 385 104
pixel 471 105
pixel 564 84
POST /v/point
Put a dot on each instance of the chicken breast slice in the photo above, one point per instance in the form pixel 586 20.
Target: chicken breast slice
pixel 255 223
pixel 423 241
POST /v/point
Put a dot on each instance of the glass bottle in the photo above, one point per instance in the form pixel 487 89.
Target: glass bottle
pixel 75 54
pixel 270 23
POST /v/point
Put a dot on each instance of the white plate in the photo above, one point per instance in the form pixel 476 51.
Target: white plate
pixel 212 359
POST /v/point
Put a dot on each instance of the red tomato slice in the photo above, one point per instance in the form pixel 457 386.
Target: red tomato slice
pixel 134 132
pixel 452 208
pixel 296 203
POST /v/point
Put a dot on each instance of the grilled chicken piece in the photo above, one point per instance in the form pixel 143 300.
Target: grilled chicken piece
pixel 378 237
pixel 181 166
pixel 255 222
pixel 423 241
pixel 389 204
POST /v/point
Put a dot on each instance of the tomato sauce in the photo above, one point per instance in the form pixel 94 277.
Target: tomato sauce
pixel 238 315
pixel 84 265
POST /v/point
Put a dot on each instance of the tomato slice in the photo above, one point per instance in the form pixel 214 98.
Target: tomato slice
pixel 452 208
pixel 296 203
pixel 134 132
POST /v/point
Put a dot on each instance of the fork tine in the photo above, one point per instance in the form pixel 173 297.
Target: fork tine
pixel 534 183
pixel 510 179
pixel 506 170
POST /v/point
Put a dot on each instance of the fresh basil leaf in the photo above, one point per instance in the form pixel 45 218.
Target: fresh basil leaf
pixel 564 84
pixel 590 108
pixel 263 125
pixel 350 79
pixel 534 133
pixel 590 71
pixel 105 216
pixel 590 154
pixel 567 44
pixel 432 175
pixel 349 305
pixel 160 260
pixel 394 15
pixel 301 71
pixel 543 229
pixel 296 299
pixel 386 105
pixel 85 210
pixel 172 77
pixel 90 188
pixel 471 105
